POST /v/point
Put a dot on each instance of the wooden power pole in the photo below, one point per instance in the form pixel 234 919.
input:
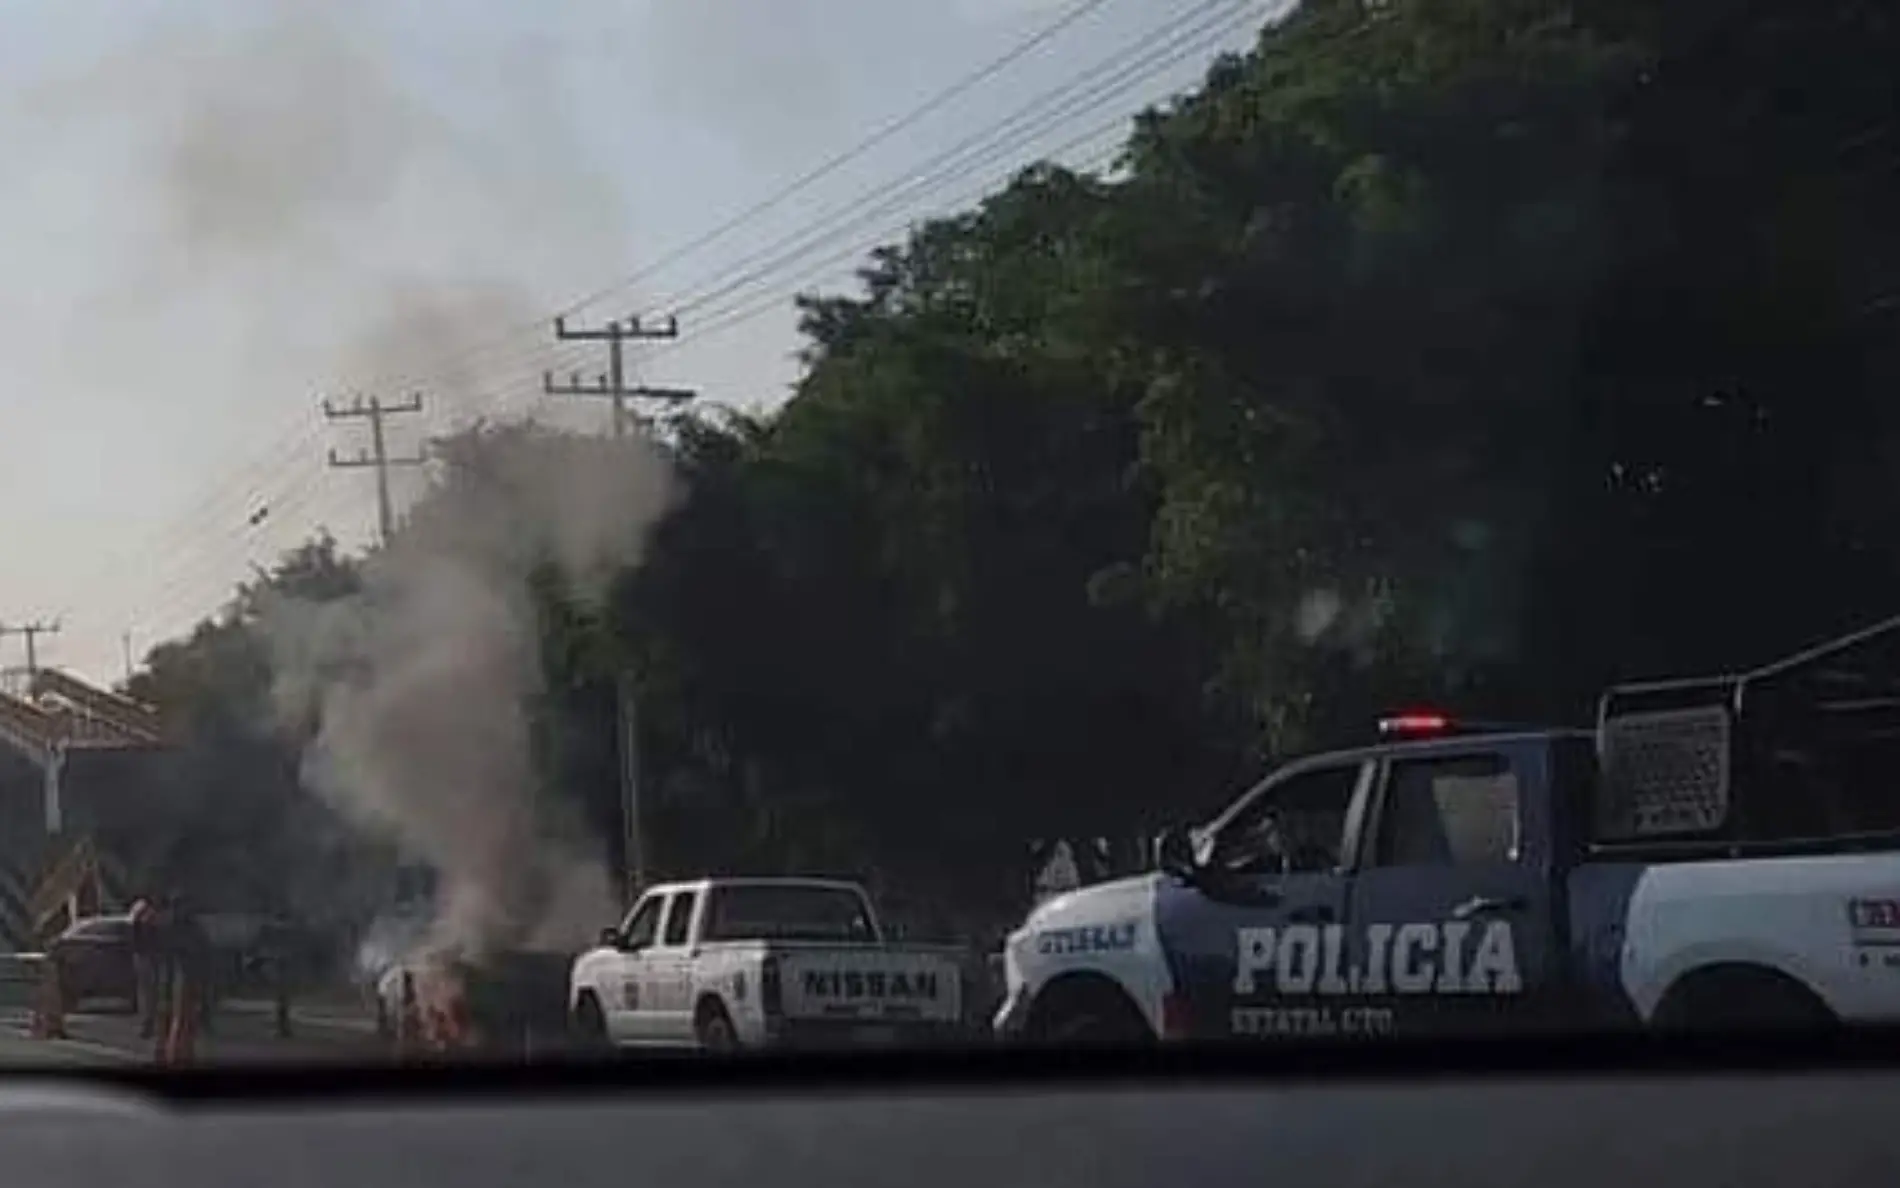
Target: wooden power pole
pixel 613 385
pixel 31 633
pixel 374 411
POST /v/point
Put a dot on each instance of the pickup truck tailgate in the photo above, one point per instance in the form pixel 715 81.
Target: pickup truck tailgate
pixel 892 985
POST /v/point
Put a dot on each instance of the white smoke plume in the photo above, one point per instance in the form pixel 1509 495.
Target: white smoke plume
pixel 417 690
pixel 328 195
pixel 263 202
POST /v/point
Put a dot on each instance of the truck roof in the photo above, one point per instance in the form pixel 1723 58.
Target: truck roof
pixel 759 881
pixel 1449 740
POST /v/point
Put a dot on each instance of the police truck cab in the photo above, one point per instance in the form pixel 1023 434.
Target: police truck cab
pixel 1716 852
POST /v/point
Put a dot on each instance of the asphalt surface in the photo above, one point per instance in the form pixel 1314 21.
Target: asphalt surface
pixel 240 1033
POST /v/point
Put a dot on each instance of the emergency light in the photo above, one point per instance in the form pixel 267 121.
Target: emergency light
pixel 1415 724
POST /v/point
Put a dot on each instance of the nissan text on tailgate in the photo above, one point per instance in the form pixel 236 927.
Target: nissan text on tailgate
pixel 720 964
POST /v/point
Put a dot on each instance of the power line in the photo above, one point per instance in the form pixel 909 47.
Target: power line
pixel 283 502
pixel 257 485
pixel 1021 126
pixel 188 523
pixel 975 151
pixel 739 311
pixel 831 165
pixel 1160 47
pixel 901 123
pixel 936 102
pixel 1158 58
pixel 1138 61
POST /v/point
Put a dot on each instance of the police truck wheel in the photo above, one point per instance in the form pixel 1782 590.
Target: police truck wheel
pixel 715 1030
pixel 590 1024
pixel 1086 1011
pixel 1105 1028
pixel 1727 1000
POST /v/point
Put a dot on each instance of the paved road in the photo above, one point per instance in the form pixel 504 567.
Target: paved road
pixel 241 1033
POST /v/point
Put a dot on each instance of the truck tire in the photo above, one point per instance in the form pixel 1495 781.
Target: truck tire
pixel 590 1024
pixel 714 1028
pixel 1739 998
pixel 1087 1010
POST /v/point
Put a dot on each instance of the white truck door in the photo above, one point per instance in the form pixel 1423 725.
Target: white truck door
pixel 669 971
pixel 624 989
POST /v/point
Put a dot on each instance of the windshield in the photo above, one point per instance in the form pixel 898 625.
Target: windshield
pixel 787 914
pixel 1071 521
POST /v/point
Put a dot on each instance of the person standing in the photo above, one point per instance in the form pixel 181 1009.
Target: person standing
pixel 49 1014
pixel 186 951
pixel 146 965
pixel 282 956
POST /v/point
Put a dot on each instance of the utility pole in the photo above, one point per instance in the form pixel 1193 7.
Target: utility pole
pixel 633 836
pixel 374 410
pixel 613 385
pixel 125 639
pixel 31 632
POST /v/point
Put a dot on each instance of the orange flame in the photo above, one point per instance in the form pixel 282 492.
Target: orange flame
pixel 440 1018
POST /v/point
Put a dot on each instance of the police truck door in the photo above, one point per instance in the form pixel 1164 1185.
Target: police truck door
pixel 1452 920
pixel 1250 941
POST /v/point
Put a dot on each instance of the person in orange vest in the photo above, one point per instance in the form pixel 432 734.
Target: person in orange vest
pixel 49 1008
pixel 186 951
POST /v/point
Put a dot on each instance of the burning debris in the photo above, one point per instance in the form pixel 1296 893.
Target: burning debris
pixel 436 1003
pixel 433 1010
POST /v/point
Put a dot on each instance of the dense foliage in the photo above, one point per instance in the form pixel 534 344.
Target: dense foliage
pixel 1477 351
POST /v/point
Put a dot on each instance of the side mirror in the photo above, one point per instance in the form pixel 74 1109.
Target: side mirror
pixel 1174 854
pixel 610 938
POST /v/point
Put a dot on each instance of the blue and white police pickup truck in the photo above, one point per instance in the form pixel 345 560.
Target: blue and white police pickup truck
pixel 1717 852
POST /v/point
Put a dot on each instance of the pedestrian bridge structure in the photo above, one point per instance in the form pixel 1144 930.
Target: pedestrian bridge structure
pixel 85 774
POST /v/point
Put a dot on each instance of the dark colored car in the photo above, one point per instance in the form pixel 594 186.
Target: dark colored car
pixel 95 961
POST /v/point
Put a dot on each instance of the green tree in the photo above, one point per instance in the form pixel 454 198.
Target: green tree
pixel 1362 254
pixel 244 832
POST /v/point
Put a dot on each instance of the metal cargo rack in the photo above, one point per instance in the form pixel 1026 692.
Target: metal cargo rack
pixel 1705 758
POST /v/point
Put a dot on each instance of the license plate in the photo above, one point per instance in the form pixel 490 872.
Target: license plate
pixel 874 1035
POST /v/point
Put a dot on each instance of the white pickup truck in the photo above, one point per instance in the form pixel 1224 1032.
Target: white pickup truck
pixel 720 964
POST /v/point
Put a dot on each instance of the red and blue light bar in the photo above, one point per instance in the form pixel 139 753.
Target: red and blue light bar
pixel 1430 723
pixel 1416 724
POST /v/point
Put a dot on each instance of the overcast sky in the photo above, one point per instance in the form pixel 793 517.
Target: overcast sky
pixel 217 211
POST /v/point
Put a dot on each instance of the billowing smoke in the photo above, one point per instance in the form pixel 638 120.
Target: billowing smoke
pixel 264 202
pixel 416 691
pixel 284 199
